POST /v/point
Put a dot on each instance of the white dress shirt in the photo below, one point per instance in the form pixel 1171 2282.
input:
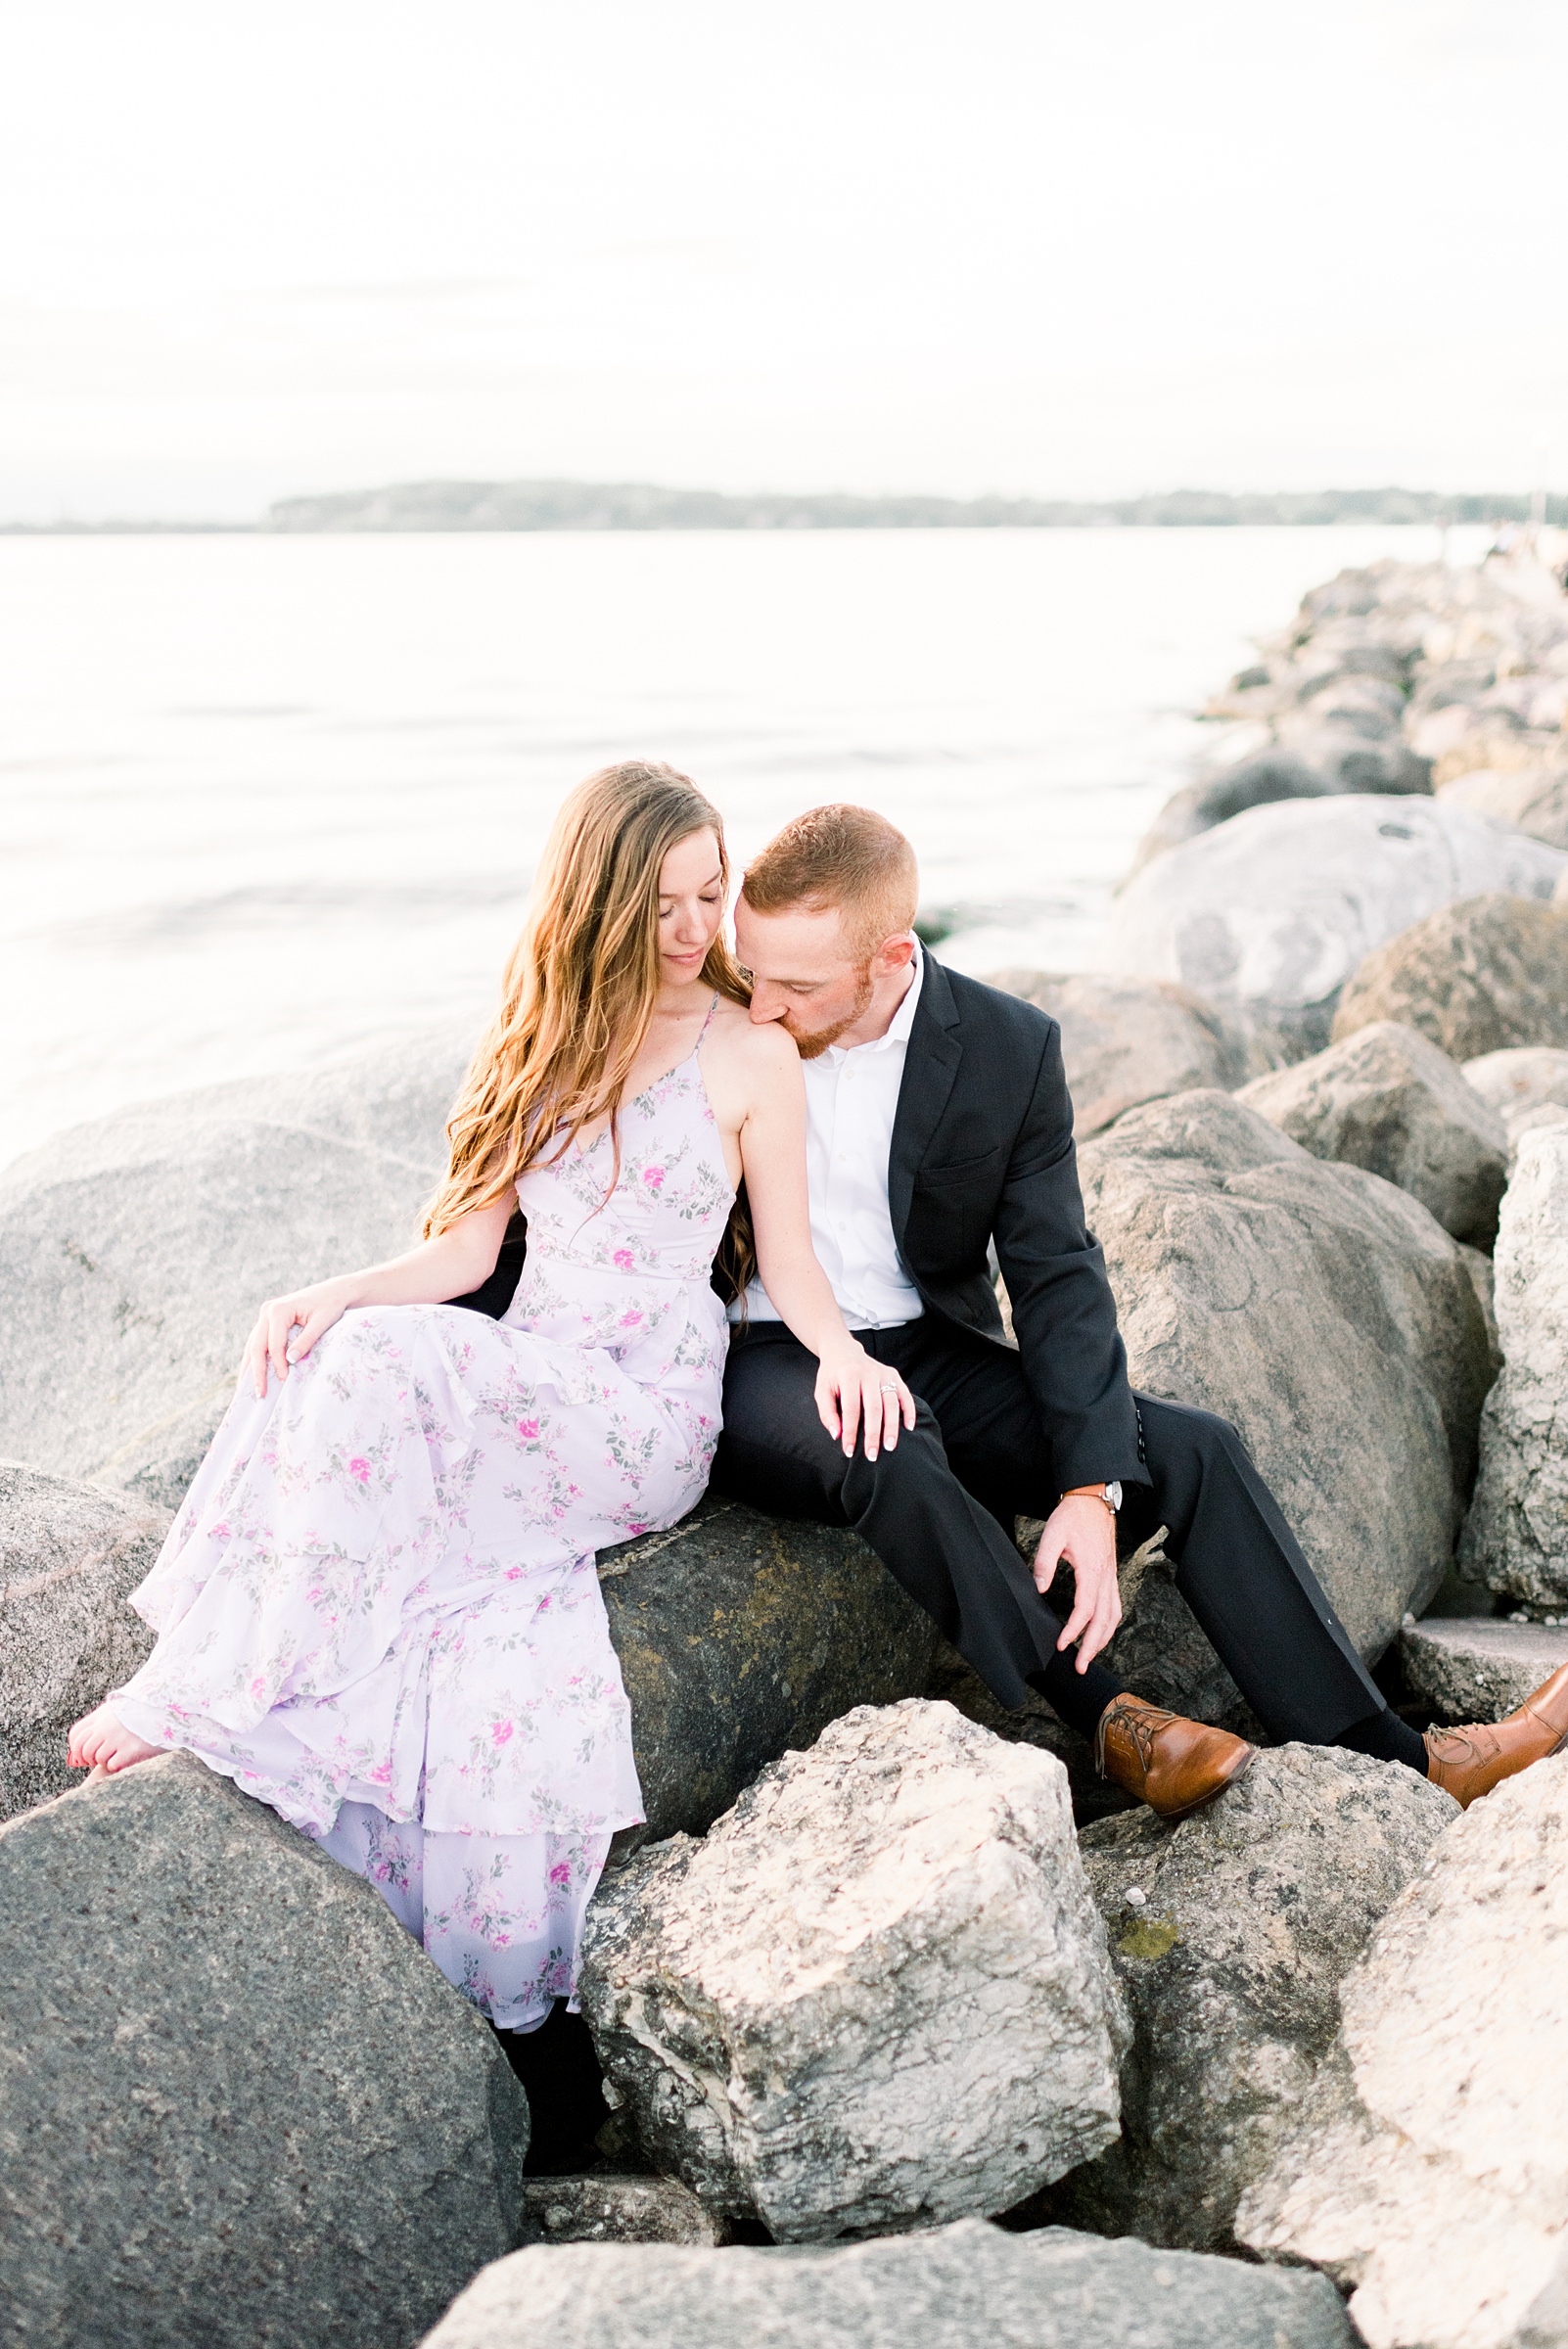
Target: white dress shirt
pixel 852 1095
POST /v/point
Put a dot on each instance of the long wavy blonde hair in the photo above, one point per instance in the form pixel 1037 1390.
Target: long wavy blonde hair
pixel 579 987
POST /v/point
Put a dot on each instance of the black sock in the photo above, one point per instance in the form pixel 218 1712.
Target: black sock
pixel 1386 1738
pixel 1079 1697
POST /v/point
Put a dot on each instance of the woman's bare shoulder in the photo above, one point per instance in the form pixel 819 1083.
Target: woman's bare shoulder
pixel 760 1050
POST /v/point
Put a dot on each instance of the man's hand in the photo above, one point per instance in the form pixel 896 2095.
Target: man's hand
pixel 1082 1531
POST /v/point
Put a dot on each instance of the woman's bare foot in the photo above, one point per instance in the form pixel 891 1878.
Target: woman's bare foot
pixel 101 1744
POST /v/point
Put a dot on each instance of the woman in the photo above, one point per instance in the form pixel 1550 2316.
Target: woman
pixel 378 1609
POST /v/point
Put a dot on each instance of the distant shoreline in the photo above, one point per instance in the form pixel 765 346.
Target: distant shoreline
pixel 547 505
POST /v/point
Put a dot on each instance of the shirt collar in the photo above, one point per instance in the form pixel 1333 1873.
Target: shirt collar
pixel 903 1021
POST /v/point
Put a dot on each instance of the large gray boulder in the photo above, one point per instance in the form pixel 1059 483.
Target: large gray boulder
pixel 1270 913
pixel 1430 2169
pixel 1388 1100
pixel 1259 780
pixel 1475 977
pixel 1342 703
pixel 953 2287
pixel 1525 1121
pixel 1324 1313
pixel 1343 737
pixel 1231 1931
pixel 1526 1085
pixel 1516 1535
pixel 741 1634
pixel 1256 781
pixel 875 1995
pixel 1126 1040
pixel 1469 737
pixel 68 1555
pixel 134 1252
pixel 1469 1667
pixel 1526 799
pixel 239 2103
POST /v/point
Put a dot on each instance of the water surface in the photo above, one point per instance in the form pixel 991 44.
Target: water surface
pixel 263 800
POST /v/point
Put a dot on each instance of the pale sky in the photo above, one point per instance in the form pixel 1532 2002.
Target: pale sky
pixel 1011 244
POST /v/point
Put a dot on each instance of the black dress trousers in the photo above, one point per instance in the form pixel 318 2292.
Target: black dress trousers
pixel 938 1510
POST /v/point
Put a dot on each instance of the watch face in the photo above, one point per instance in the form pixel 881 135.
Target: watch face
pixel 1113 1494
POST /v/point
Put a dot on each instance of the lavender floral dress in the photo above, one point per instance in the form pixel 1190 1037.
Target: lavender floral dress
pixel 378 1609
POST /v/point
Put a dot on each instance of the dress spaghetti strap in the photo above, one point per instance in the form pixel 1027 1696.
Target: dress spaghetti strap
pixel 707 1024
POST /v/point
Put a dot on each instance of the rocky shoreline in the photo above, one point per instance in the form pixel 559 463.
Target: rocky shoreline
pixel 888 1963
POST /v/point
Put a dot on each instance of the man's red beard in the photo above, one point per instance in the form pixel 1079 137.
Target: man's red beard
pixel 811 1041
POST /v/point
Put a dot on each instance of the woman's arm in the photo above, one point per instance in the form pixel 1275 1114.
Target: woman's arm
pixel 457 1261
pixel 850 1384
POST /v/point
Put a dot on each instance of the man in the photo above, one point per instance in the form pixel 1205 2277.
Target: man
pixel 939 1125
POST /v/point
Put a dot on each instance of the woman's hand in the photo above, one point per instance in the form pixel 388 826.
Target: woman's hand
pixel 307 1314
pixel 851 1388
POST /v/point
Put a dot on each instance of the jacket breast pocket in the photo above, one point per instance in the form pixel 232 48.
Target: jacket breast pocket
pixel 962 1173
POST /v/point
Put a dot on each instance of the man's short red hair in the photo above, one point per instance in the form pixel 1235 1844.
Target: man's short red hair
pixel 842 856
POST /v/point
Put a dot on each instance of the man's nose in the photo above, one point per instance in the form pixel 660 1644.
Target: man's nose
pixel 765 1005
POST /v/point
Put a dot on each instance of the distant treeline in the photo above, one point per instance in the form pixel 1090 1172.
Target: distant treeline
pixel 640 506
pixel 637 506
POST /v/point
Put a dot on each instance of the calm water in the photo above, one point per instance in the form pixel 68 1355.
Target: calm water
pixel 263 800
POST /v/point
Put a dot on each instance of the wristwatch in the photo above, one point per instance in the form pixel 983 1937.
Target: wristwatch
pixel 1109 1493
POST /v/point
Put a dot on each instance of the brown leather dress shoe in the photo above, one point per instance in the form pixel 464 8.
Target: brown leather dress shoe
pixel 1468 1763
pixel 1171 1764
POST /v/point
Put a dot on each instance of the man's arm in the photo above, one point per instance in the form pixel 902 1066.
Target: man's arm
pixel 1064 1318
pixel 1064 1315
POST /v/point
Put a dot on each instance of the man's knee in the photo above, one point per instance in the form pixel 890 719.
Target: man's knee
pixel 773 1450
pixel 898 1469
pixel 1174 1429
pixel 796 1468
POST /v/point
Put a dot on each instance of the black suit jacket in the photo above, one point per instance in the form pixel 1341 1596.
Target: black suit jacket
pixel 983 1151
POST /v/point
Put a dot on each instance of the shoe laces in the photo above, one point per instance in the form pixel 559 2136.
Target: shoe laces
pixel 1142 1723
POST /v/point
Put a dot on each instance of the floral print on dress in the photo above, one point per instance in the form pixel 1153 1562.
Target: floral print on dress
pixel 378 1609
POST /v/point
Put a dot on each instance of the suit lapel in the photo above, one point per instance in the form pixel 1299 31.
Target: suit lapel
pixel 930 1065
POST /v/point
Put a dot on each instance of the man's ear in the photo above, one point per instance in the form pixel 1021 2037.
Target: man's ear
pixel 894 954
